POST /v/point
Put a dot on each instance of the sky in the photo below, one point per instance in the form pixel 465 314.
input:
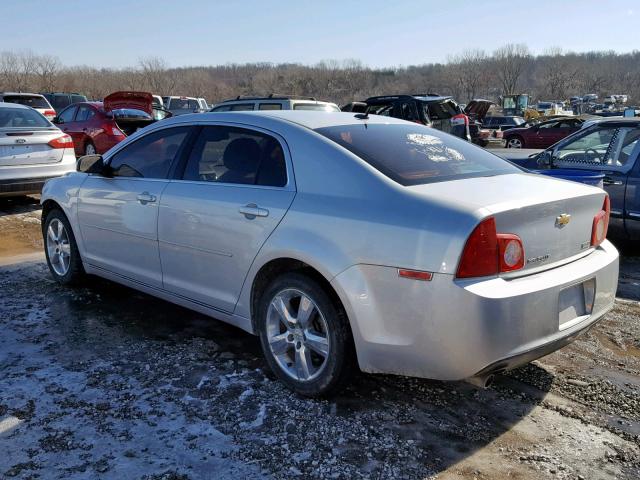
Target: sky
pixel 380 33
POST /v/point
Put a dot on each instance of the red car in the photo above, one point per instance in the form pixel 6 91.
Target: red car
pixel 543 134
pixel 97 126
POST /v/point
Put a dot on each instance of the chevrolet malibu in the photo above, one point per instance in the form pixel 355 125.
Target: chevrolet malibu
pixel 342 241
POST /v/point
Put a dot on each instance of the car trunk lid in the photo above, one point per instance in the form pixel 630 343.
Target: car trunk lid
pixel 129 100
pixel 477 109
pixel 19 146
pixel 554 218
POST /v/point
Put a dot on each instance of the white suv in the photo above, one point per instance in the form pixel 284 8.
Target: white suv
pixel 274 102
pixel 34 100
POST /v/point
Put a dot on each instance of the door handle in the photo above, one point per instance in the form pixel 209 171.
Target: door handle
pixel 611 181
pixel 145 198
pixel 252 211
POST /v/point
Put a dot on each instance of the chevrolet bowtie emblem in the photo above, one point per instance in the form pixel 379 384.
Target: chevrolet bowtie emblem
pixel 562 220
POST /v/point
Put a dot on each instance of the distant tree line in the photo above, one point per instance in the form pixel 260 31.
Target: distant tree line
pixel 552 75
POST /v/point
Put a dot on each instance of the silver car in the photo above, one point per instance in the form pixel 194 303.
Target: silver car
pixel 341 240
pixel 32 150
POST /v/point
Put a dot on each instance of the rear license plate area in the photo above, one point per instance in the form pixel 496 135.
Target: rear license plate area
pixel 575 303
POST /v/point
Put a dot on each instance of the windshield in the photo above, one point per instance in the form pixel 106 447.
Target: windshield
pixel 324 107
pixel 184 104
pixel 22 118
pixel 412 154
pixel 28 100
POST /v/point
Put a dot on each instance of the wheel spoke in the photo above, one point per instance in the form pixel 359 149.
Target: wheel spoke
pixel 305 310
pixel 51 233
pixel 303 363
pixel 279 344
pixel 317 343
pixel 65 248
pixel 60 231
pixel 282 309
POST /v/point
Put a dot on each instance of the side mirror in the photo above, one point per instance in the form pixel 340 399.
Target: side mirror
pixel 544 159
pixel 92 164
pixel 57 120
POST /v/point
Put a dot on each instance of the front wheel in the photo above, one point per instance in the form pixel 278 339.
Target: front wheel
pixel 304 336
pixel 61 249
pixel 515 142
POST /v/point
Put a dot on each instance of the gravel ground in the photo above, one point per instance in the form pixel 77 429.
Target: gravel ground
pixel 105 382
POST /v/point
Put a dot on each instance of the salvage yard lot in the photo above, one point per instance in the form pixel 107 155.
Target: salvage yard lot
pixel 106 382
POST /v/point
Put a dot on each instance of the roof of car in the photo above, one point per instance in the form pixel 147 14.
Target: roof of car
pixel 272 96
pixel 26 94
pixel 12 105
pixel 425 97
pixel 623 122
pixel 305 118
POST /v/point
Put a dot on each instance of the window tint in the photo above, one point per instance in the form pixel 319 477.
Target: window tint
pixel 67 115
pixel 409 111
pixel 241 106
pixel 414 155
pixel 21 118
pixel 151 156
pixel 322 107
pixel 85 112
pixel 58 102
pixel 441 110
pixel 33 101
pixel 269 106
pixel 183 104
pixel 236 155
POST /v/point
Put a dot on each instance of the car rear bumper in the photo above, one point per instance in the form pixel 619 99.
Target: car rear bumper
pixel 26 179
pixel 451 330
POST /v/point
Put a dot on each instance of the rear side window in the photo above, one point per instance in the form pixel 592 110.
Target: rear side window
pixel 67 115
pixel 412 154
pixel 269 106
pixel 236 155
pixel 151 156
pixel 238 107
pixel 85 113
pixel 28 100
pixel 21 118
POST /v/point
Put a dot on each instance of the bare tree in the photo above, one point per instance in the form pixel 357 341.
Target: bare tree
pixel 510 63
pixel 46 68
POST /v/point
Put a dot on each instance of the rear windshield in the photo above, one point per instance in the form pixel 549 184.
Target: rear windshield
pixel 183 104
pixel 414 155
pixel 29 101
pixel 22 118
pixel 124 113
pixel 324 107
pixel 441 110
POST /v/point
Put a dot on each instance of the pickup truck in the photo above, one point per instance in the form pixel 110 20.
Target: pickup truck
pixel 609 148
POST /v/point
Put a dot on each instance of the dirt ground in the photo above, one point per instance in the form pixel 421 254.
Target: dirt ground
pixel 105 382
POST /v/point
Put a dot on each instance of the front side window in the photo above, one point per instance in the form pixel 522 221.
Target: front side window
pixel 66 116
pixel 548 125
pixel 151 156
pixel 236 155
pixel 590 149
pixel 411 154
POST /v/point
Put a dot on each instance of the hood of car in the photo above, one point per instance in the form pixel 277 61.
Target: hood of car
pixel 135 100
pixel 478 108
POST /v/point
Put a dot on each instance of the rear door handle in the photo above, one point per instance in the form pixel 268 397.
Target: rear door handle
pixel 252 211
pixel 146 197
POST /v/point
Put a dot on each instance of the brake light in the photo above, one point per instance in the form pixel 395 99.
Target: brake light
pixel 490 253
pixel 64 141
pixel 460 119
pixel 601 223
pixel 49 114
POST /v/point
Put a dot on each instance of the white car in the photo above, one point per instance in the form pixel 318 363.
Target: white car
pixel 274 102
pixel 338 237
pixel 34 100
pixel 183 105
pixel 32 150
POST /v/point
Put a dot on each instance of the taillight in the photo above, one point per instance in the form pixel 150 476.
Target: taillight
pixel 64 141
pixel 460 119
pixel 490 253
pixel 49 114
pixel 601 223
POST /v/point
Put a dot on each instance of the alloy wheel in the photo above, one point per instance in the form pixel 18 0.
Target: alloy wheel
pixel 514 143
pixel 58 247
pixel 297 334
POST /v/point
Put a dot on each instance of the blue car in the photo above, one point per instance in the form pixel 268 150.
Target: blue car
pixel 605 152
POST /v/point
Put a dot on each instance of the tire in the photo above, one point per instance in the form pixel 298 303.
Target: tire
pixel 89 148
pixel 61 249
pixel 514 142
pixel 289 346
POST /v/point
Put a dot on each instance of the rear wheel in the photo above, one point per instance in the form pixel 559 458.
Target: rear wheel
pixel 89 149
pixel 61 249
pixel 515 142
pixel 304 336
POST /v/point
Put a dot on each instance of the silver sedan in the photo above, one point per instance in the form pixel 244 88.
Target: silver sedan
pixel 342 240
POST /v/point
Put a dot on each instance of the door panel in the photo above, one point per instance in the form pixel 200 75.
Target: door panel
pixel 118 229
pixel 206 244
